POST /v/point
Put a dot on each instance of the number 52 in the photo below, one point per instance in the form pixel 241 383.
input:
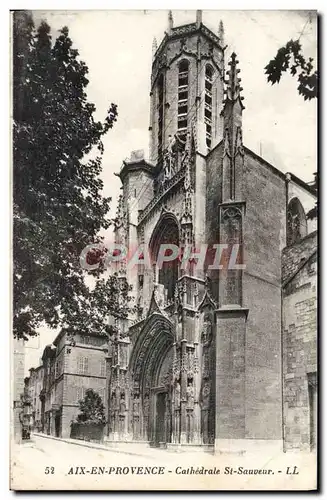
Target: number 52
pixel 49 470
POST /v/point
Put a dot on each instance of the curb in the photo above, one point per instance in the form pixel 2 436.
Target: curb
pixel 87 444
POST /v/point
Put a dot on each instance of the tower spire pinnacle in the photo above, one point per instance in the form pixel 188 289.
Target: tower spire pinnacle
pixel 154 46
pixel 170 21
pixel 233 89
pixel 198 18
pixel 233 141
pixel 221 33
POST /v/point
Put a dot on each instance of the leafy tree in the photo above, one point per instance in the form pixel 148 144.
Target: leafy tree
pixel 290 58
pixel 58 206
pixel 91 409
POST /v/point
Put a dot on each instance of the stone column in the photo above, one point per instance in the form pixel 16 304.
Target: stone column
pixel 136 421
pixel 152 426
pixel 177 420
pixel 183 422
pixel 145 419
pixel 197 386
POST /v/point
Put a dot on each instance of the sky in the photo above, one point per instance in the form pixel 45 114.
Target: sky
pixel 117 48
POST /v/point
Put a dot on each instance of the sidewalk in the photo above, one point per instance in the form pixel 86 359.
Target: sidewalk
pixel 148 453
pixel 29 462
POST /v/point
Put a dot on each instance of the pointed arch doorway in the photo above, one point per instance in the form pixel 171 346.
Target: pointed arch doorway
pixel 162 401
pixel 152 372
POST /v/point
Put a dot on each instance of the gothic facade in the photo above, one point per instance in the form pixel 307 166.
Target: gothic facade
pixel 199 362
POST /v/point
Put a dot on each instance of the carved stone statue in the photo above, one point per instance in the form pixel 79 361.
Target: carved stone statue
pixel 167 166
pixel 187 149
pixel 205 395
pixel 113 402
pixel 177 394
pixel 206 335
pixel 136 405
pixel 170 158
pixel 122 403
pixel 171 145
pixel 190 395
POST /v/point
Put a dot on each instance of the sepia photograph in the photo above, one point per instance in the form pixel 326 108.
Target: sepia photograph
pixel 164 185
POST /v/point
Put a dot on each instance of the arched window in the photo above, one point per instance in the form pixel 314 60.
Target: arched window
pixel 160 113
pixel 182 110
pixel 296 222
pixel 208 104
pixel 166 233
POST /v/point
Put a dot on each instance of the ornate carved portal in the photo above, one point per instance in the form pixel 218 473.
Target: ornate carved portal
pixel 152 381
pixel 161 404
pixel 166 392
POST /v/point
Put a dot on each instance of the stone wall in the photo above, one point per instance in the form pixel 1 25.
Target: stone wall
pixel 263 191
pixel 87 432
pixel 213 198
pixel 68 414
pixel 295 255
pixel 138 189
pixel 299 341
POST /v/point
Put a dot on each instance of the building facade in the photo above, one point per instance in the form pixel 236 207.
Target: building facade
pixel 201 362
pixel 70 368
pixel 35 386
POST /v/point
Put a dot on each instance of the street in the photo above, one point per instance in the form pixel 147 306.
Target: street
pixel 52 464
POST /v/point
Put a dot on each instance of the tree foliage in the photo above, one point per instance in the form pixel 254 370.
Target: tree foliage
pixel 58 205
pixel 290 58
pixel 91 409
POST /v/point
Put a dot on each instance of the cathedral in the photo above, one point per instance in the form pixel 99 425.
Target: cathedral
pixel 199 362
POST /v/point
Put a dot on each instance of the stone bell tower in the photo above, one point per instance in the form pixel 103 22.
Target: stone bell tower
pixel 186 87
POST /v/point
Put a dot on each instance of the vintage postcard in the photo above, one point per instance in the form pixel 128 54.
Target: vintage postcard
pixel 164 250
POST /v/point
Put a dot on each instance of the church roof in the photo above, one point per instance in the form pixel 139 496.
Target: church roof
pixel 296 256
pixel 300 182
pixel 136 164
